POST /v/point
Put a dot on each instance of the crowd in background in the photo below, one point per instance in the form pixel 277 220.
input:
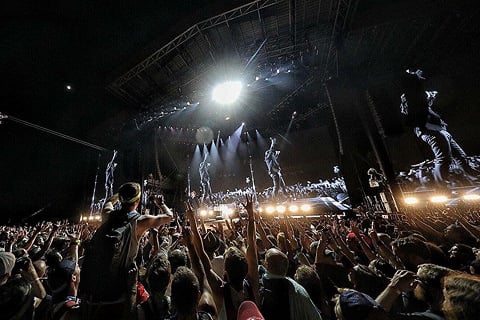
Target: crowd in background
pixel 422 264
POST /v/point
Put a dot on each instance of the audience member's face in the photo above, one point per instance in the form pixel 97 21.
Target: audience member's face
pixel 453 234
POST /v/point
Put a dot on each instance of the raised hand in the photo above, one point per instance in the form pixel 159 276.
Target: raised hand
pixel 404 281
pixel 249 206
pixel 189 212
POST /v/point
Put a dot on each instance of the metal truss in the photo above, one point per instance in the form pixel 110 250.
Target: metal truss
pixel 191 33
pixel 344 14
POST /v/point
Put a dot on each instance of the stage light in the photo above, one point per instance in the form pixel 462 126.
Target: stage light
pixel 211 213
pixel 281 209
pixel 257 78
pixel 439 199
pixel 260 209
pixel 471 197
pixel 203 213
pixel 90 218
pixel 97 218
pixel 270 209
pixel 293 208
pixel 227 92
pixel 305 207
pixel 227 212
pixel 410 200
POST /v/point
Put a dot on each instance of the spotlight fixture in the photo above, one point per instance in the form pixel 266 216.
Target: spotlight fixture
pixel 305 207
pixel 439 199
pixel 410 200
pixel 471 197
pixel 227 92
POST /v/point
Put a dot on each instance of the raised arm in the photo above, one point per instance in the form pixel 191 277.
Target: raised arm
pixel 252 261
pixel 207 301
pixel 215 283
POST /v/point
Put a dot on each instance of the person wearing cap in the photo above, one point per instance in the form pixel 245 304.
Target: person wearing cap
pixel 355 305
pixel 248 310
pixel 283 297
pixel 107 300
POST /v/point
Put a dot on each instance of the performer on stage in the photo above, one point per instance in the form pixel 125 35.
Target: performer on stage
pixel 109 178
pixel 205 179
pixel 416 105
pixel 273 166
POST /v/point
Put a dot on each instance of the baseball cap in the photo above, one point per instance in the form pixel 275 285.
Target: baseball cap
pixel 129 192
pixel 7 262
pixel 248 310
pixel 357 305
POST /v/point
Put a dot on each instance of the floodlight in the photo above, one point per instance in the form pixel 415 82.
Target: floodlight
pixel 293 208
pixel 410 200
pixel 270 209
pixel 281 209
pixel 439 199
pixel 305 207
pixel 471 197
pixel 227 92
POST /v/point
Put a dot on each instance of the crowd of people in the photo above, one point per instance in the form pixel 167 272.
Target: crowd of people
pixel 422 264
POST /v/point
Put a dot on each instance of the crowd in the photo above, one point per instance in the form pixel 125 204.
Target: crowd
pixel 414 265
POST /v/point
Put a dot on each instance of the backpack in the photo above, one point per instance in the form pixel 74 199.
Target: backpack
pixel 105 267
pixel 274 299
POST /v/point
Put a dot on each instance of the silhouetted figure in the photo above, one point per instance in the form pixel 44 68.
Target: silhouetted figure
pixel 416 105
pixel 273 166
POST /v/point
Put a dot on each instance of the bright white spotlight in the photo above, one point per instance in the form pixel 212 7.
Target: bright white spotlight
pixel 227 212
pixel 410 200
pixel 281 209
pixel 270 209
pixel 438 199
pixel 293 208
pixel 471 197
pixel 227 92
pixel 305 207
pixel 203 213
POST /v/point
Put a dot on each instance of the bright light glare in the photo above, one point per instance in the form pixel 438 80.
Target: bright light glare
pixel 411 200
pixel 203 213
pixel 438 199
pixel 471 197
pixel 270 209
pixel 306 207
pixel 227 212
pixel 293 208
pixel 281 209
pixel 227 92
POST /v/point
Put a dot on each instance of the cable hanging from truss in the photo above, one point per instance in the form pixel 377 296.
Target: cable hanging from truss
pixel 55 133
